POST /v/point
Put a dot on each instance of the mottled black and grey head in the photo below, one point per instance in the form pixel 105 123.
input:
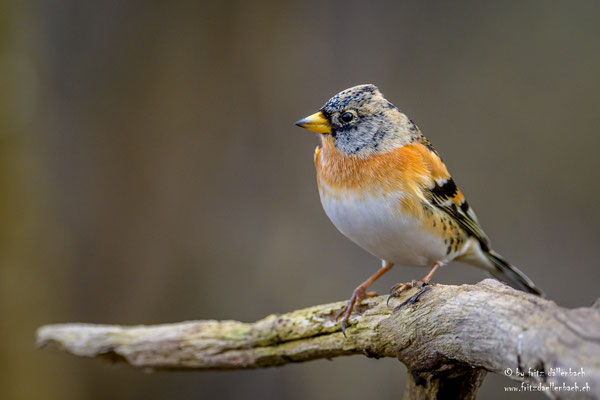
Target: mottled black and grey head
pixel 362 122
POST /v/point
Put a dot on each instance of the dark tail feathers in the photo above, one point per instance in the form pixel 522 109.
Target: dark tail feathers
pixel 511 274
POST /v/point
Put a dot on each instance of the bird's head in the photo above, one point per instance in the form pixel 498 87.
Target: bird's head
pixel 361 122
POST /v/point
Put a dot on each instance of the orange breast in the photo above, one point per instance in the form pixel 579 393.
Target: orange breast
pixel 406 169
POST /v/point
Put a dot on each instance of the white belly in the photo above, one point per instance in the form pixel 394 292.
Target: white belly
pixel 375 223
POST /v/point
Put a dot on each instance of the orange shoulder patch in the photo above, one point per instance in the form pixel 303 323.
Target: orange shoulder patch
pixel 438 169
pixel 439 173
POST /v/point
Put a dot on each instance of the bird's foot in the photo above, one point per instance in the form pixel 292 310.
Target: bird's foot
pixel 357 296
pixel 399 288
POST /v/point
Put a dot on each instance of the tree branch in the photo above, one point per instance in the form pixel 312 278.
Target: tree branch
pixel 448 336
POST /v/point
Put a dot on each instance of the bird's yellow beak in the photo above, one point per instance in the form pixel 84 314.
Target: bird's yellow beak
pixel 316 123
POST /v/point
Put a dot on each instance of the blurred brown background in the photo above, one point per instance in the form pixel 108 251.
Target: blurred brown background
pixel 150 170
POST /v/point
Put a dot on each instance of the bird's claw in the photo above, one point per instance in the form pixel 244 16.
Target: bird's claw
pixel 346 311
pixel 415 297
pixel 399 288
pixel 344 326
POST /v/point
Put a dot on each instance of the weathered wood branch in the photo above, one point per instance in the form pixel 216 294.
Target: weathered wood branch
pixel 448 336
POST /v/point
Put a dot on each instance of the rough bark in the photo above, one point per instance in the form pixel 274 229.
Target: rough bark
pixel 448 336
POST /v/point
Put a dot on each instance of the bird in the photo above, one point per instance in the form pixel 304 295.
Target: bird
pixel 384 186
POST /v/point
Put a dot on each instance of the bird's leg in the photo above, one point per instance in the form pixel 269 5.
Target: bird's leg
pixel 401 287
pixel 360 293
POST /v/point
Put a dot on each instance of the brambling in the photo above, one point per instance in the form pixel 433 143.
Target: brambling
pixel 385 187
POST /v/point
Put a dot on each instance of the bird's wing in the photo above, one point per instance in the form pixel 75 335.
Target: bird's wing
pixel 443 194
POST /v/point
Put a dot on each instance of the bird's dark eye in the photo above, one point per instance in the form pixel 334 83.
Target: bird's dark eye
pixel 347 117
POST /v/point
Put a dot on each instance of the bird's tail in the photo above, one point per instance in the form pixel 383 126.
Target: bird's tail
pixel 510 274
